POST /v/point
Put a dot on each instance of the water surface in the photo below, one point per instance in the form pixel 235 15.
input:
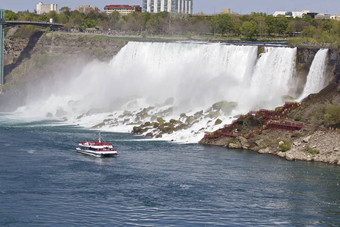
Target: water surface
pixel 44 182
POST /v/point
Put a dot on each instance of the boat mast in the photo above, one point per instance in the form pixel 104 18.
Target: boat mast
pixel 100 138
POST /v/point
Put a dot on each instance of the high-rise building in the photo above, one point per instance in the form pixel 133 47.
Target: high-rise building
pixel 46 8
pixel 171 6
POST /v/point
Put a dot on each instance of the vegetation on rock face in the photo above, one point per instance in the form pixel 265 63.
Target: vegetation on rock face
pixel 312 151
pixel 218 122
pixel 285 145
pixel 332 116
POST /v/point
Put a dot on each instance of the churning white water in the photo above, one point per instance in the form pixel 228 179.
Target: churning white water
pixel 169 79
pixel 316 76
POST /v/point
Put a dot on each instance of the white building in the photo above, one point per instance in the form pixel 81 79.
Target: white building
pixel 298 14
pixel 279 13
pixel 290 14
pixel 335 17
pixel 46 8
pixel 171 6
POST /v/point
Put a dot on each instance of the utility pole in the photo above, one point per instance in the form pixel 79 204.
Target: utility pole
pixel 2 36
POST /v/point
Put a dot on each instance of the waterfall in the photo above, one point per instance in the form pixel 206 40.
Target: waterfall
pixel 316 76
pixel 272 76
pixel 146 80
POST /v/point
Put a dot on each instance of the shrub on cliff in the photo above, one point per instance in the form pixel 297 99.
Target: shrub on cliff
pixel 285 145
pixel 312 151
pixel 332 116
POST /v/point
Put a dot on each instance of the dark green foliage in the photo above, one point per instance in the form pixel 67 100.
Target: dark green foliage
pixel 297 118
pixel 10 15
pixel 222 24
pixel 332 116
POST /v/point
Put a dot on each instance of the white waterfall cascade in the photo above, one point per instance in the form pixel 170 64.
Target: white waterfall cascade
pixel 316 76
pixel 146 80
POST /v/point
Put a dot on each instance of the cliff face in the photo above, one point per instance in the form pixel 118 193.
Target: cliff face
pixel 29 60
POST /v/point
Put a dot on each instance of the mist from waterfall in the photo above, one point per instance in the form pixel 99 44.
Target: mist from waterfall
pixel 316 76
pixel 172 78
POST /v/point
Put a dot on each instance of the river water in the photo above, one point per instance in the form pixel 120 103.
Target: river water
pixel 44 182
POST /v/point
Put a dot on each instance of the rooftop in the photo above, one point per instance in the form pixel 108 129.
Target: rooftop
pixel 119 6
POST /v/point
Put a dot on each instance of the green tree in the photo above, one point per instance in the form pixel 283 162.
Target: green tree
pixel 42 17
pixel 153 25
pixel 309 31
pixel 327 25
pixel 249 29
pixel 54 15
pixel 113 18
pixel 10 15
pixel 221 24
pixel 281 25
pixel 88 23
pixel 271 24
pixel 65 10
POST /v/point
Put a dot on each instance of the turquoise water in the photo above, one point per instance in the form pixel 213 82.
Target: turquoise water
pixel 44 182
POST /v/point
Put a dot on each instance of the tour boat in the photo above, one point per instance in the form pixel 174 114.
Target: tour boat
pixel 96 148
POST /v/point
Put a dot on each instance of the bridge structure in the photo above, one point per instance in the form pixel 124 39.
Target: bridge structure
pixel 3 24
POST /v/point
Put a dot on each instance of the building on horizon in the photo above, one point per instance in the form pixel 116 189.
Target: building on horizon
pixel 335 17
pixel 86 9
pixel 46 8
pixel 171 6
pixel 226 11
pixel 294 14
pixel 322 16
pixel 122 9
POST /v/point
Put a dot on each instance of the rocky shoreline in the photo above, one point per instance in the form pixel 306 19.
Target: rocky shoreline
pixel 320 146
pixel 307 131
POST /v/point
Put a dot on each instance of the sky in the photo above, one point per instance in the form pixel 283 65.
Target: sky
pixel 205 6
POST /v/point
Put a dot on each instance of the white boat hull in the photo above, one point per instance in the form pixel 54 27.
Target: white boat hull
pixel 98 154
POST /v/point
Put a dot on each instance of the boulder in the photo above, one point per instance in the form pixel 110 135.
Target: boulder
pixel 265 151
pixel 218 122
pixel 290 156
pixel 281 154
pixel 336 149
pixel 235 145
pixel 224 106
pixel 100 125
pixel 149 134
pixel 296 143
pixel 244 142
pixel 306 139
pixel 259 142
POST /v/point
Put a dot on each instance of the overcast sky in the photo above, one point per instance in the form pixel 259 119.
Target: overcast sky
pixel 206 6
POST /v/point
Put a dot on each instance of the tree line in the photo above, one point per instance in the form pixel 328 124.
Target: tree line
pixel 251 27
